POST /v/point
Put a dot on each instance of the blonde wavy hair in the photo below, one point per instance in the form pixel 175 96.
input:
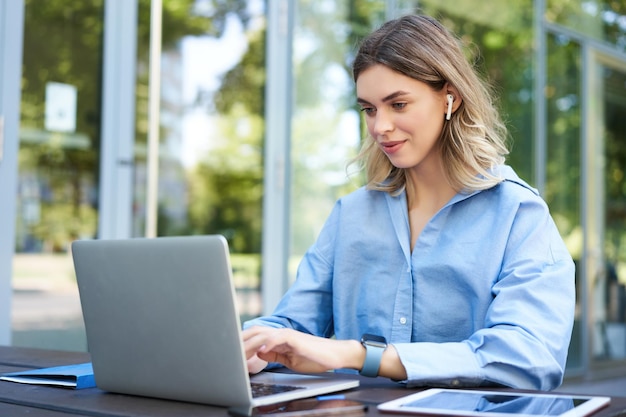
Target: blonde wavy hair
pixel 473 141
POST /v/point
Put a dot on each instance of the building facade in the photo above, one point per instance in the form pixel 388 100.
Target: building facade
pixel 124 118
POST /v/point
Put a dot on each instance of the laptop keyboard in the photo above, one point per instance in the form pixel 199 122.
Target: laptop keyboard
pixel 260 389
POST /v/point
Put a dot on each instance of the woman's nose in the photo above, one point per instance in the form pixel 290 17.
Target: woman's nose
pixel 382 123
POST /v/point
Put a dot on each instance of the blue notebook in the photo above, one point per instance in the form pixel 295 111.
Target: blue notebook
pixel 69 376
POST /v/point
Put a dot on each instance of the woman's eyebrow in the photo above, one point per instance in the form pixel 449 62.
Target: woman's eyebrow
pixel 391 96
pixel 395 95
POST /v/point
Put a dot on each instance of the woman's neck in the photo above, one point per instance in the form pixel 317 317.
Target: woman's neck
pixel 427 193
pixel 428 187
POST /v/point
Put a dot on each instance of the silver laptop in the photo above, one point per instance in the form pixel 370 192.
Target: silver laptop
pixel 161 321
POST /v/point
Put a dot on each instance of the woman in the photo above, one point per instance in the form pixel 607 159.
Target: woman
pixel 446 269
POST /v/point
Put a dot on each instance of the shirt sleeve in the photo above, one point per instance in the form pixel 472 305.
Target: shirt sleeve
pixel 307 305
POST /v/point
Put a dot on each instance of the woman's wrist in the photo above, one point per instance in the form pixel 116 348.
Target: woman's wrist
pixel 353 354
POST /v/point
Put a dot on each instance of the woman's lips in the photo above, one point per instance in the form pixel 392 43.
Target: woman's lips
pixel 391 147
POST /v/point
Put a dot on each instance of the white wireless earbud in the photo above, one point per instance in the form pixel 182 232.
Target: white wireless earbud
pixel 450 98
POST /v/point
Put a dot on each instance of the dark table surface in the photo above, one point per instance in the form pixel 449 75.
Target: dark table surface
pixel 37 400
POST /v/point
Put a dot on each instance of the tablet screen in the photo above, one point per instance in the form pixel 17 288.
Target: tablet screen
pixel 493 403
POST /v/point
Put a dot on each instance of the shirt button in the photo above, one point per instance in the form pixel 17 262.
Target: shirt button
pixel 402 320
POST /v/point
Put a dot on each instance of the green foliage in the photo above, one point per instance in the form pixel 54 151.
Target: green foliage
pixel 244 85
pixel 226 186
pixel 62 222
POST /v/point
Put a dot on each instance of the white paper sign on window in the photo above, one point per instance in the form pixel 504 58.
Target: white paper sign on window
pixel 60 107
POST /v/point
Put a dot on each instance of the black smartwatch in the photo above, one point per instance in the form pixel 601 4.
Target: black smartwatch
pixel 374 348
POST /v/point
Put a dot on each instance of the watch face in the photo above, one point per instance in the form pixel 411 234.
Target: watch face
pixel 374 340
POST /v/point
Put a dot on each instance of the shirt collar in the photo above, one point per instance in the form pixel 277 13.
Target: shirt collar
pixel 399 211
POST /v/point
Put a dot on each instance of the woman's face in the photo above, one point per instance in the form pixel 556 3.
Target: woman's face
pixel 403 115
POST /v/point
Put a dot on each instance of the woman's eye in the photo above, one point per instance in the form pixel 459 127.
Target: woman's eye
pixel 398 106
pixel 368 110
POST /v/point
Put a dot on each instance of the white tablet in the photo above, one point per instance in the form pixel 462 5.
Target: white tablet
pixel 498 403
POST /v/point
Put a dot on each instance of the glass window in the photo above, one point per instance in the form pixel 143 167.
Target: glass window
pixel 604 20
pixel 611 309
pixel 563 169
pixel 58 168
pixel 211 129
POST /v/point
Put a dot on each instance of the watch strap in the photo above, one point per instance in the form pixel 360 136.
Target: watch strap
pixel 373 357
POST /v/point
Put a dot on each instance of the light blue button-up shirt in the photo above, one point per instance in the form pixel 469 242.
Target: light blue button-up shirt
pixel 486 296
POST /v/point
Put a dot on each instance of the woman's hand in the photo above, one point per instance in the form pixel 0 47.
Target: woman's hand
pixel 299 351
pixel 255 364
